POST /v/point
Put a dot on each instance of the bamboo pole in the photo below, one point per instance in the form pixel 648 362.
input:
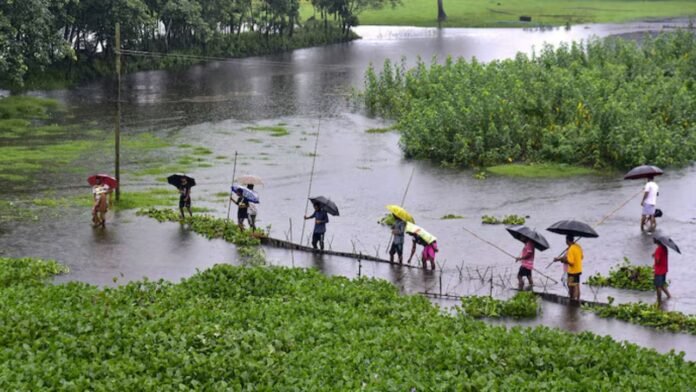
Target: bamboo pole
pixel 117 132
pixel 311 178
pixel 507 253
pixel 229 202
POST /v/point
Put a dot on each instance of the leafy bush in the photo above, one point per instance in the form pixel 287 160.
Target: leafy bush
pixel 523 304
pixel 649 315
pixel 236 328
pixel 206 225
pixel 626 276
pixel 600 103
pixel 506 220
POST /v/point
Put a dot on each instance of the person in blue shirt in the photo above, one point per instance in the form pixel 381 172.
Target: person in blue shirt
pixel 321 218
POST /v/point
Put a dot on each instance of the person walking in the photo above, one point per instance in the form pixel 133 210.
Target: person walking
pixel 321 218
pixel 397 246
pixel 100 192
pixel 242 207
pixel 573 259
pixel 648 204
pixel 184 197
pixel 253 210
pixel 527 265
pixel 425 239
pixel 660 269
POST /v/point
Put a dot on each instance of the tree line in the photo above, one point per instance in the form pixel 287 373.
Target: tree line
pixel 35 34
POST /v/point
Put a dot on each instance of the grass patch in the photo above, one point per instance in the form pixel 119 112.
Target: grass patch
pixel 201 151
pixel 378 130
pixel 649 315
pixel 487 13
pixel 626 276
pixel 523 305
pixel 506 220
pixel 541 170
pixel 452 216
pixel 219 330
pixel 149 198
pixel 276 131
pixel 26 107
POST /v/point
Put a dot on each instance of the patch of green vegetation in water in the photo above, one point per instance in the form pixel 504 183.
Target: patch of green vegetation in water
pixel 26 107
pixel 275 131
pixel 378 130
pixel 540 170
pixel 452 216
pixel 201 151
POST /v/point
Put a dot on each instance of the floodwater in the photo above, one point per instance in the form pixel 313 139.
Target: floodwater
pixel 309 91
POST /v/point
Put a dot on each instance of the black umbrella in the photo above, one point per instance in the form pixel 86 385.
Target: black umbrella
pixel 175 179
pixel 325 204
pixel 574 228
pixel 524 234
pixel 643 171
pixel 666 241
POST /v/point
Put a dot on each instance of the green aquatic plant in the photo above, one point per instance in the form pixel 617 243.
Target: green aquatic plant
pixel 596 104
pixel 275 131
pixel 506 220
pixel 626 276
pixel 452 216
pixel 207 226
pixel 378 130
pixel 263 328
pixel 28 270
pixel 649 315
pixel 523 304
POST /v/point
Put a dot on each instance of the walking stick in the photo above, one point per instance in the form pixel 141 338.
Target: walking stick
pixel 508 253
pixel 229 203
pixel 311 178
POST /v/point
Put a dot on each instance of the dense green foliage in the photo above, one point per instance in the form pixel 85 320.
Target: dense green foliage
pixel 602 103
pixel 506 220
pixel 206 225
pixel 649 315
pixel 73 39
pixel 522 305
pixel 626 276
pixel 540 170
pixel 234 328
pixel 27 271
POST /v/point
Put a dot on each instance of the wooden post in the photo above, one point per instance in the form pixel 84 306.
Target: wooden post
pixel 117 136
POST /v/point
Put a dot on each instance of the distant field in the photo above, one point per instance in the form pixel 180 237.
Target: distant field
pixel 492 13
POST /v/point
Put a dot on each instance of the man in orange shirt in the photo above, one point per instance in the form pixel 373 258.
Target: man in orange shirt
pixel 573 258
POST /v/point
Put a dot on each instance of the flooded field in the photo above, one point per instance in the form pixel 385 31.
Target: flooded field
pixel 227 106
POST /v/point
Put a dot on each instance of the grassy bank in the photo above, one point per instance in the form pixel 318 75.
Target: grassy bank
pixel 600 104
pixel 233 328
pixel 502 13
pixel 543 170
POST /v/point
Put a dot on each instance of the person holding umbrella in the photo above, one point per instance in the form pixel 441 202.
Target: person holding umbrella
pixel 427 240
pixel 242 203
pixel 253 210
pixel 573 259
pixel 102 186
pixel 648 203
pixel 184 197
pixel 321 218
pixel 532 241
pixel 661 264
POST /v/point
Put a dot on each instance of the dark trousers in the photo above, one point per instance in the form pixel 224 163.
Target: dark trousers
pixel 318 238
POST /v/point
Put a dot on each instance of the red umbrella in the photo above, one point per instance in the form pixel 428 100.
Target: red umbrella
pixel 105 179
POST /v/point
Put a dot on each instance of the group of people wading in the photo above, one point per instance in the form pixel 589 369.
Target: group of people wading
pixel 572 258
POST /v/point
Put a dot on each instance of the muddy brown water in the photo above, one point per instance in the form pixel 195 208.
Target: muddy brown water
pixel 308 90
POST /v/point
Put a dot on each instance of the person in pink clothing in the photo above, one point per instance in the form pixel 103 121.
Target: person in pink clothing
pixel 527 265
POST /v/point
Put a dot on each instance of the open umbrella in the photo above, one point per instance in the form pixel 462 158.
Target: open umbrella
pixel 574 228
pixel 643 171
pixel 248 193
pixel 175 179
pixel 524 234
pixel 325 204
pixel 666 241
pixel 105 179
pixel 250 179
pixel 401 213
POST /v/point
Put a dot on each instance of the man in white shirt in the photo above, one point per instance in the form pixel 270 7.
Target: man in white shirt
pixel 648 204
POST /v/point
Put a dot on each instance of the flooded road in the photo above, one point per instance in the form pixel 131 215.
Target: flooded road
pixel 308 92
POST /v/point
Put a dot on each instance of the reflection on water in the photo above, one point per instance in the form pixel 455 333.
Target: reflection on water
pixel 214 105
